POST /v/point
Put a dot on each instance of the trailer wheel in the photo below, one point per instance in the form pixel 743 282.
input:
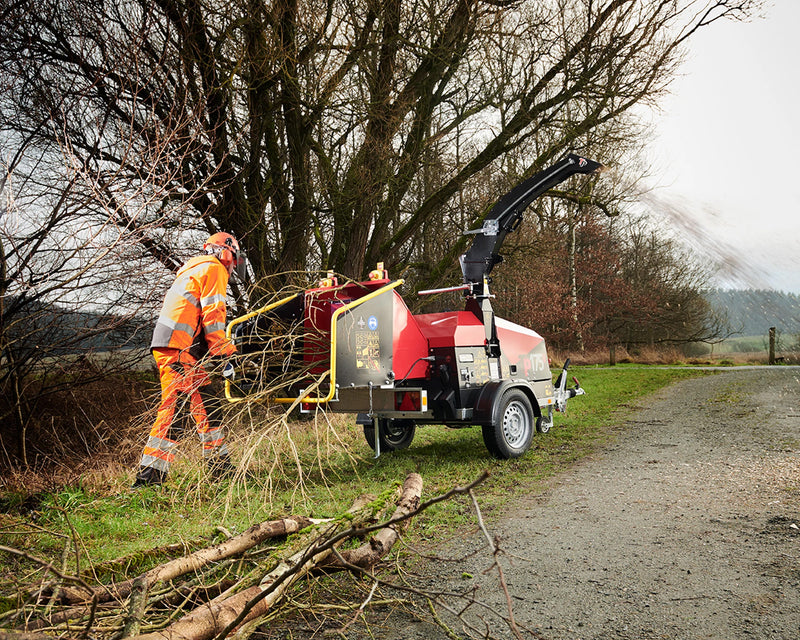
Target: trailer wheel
pixel 511 431
pixel 395 434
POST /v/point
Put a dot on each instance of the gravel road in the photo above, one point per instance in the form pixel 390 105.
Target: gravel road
pixel 685 527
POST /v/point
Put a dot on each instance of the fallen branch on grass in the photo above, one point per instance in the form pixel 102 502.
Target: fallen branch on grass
pixel 372 551
pixel 223 617
pixel 143 600
pixel 246 587
pixel 92 606
pixel 234 546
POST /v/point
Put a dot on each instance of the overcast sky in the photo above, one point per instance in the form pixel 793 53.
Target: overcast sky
pixel 726 148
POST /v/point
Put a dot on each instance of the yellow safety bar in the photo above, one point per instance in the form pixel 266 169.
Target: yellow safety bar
pixel 332 371
pixel 239 320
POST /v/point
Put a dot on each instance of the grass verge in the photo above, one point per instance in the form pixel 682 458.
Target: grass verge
pixel 315 468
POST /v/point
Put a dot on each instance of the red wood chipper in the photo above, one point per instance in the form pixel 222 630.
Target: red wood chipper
pixel 357 348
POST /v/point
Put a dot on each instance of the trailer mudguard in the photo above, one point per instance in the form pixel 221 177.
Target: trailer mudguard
pixel 484 407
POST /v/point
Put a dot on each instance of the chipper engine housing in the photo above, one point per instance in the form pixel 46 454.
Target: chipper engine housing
pixel 357 348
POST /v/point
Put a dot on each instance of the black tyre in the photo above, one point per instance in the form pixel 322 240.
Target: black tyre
pixel 395 434
pixel 512 428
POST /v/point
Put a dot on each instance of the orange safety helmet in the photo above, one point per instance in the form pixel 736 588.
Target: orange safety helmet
pixel 226 248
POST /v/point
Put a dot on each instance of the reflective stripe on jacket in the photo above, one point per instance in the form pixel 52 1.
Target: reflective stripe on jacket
pixel 194 309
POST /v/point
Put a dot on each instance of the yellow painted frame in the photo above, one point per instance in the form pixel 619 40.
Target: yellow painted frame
pixel 332 371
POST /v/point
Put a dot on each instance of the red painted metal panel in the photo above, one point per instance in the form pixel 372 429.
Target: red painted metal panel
pixel 320 305
pixel 516 341
pixel 452 329
pixel 408 343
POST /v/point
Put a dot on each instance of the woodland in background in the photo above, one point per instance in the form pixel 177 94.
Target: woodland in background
pixel 327 135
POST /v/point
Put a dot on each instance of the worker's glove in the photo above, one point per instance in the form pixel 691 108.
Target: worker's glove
pixel 229 371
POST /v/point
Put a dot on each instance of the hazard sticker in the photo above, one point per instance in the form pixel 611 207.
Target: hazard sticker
pixel 368 350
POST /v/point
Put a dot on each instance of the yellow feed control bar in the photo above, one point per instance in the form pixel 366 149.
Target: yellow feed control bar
pixel 239 320
pixel 340 311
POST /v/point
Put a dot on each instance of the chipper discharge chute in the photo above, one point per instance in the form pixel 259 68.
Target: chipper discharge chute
pixel 357 348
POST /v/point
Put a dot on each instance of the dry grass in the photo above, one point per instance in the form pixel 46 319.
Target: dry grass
pixel 644 355
pixel 78 432
pixel 667 356
pixel 92 437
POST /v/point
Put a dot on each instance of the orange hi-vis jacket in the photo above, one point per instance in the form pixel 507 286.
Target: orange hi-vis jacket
pixel 193 314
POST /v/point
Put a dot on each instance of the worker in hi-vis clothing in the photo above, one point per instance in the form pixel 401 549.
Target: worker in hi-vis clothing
pixel 191 325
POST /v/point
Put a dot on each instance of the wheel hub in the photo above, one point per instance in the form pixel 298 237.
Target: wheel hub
pixel 515 425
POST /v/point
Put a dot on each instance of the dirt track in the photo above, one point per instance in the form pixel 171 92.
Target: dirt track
pixel 685 527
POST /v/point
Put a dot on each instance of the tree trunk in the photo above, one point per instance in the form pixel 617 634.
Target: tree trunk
pixel 573 279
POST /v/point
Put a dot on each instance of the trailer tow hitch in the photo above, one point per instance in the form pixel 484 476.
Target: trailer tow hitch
pixel 561 395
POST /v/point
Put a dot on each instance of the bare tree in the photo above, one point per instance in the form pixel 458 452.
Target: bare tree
pixel 668 283
pixel 326 134
pixel 70 297
pixel 632 285
pixel 76 291
pixel 305 127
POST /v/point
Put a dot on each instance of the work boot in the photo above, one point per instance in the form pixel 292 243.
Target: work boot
pixel 221 467
pixel 148 476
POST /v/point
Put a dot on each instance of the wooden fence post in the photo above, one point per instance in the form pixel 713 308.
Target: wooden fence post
pixel 772 345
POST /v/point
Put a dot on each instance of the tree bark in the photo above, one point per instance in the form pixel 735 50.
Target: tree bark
pixel 371 552
pixel 180 566
pixel 573 278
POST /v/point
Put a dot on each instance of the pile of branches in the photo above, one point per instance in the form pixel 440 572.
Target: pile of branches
pixel 229 588
pixel 203 595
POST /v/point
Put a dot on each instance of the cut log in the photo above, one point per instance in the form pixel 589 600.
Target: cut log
pixel 210 620
pixel 236 545
pixel 371 552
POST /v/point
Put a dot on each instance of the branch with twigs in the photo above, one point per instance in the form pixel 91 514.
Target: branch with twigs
pixel 133 600
pixel 177 600
pixel 454 603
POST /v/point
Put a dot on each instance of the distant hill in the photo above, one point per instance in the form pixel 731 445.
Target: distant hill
pixel 752 312
pixel 54 330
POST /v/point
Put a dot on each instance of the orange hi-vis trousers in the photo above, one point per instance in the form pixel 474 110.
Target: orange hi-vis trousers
pixel 182 378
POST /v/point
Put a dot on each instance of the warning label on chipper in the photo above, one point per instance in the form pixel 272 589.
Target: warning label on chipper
pixel 368 350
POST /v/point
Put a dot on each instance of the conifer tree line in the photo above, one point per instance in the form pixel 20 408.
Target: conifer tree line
pixel 330 135
pixel 753 311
